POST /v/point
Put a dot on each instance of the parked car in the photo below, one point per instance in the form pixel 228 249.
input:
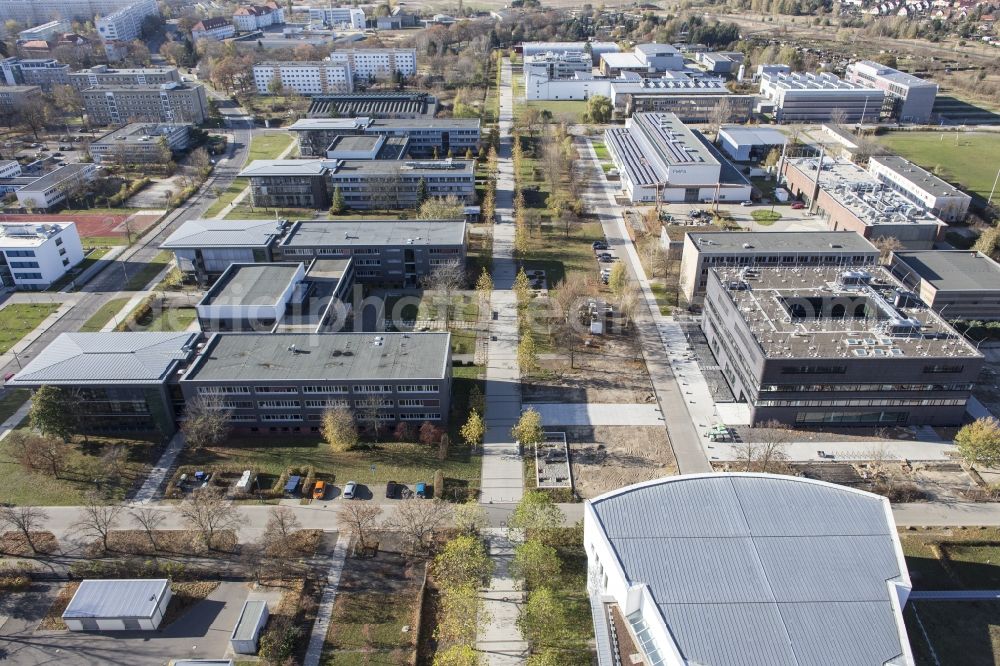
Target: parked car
pixel 798 205
pixel 9 376
pixel 746 203
pixel 350 490
pixel 599 245
pixel 606 259
pixel 319 490
pixel 57 154
pixel 422 490
pixel 390 490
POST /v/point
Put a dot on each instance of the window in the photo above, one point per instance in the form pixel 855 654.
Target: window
pixel 420 416
pixel 324 389
pixel 943 368
pixel 814 370
pixel 276 389
pixel 381 403
pixel 24 264
pixel 222 390
pixel 281 417
pixel 277 404
pixel 417 388
pixel 373 388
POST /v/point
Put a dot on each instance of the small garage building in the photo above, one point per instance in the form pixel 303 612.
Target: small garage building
pixel 118 605
pixel 246 635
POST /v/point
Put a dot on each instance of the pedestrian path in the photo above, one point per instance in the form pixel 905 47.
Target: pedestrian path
pixel 15 419
pixel 158 475
pixel 325 611
pixel 500 640
pixel 238 199
pixel 594 414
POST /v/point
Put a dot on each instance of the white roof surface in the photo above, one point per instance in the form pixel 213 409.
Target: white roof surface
pixel 136 598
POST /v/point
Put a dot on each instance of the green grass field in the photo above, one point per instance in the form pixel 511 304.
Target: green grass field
pixel 269 146
pixel 139 279
pixel 12 400
pixel 171 319
pixel 567 110
pixel 19 319
pixel 967 159
pixel 765 218
pixel 227 197
pixel 100 318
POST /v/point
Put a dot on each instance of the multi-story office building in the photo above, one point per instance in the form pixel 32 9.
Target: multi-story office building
pixel 936 196
pixel 255 17
pixel 850 198
pixel 959 284
pixel 304 78
pixel 124 25
pixel 206 248
pixel 289 183
pixel 41 72
pixel 10 168
pixel 54 187
pixel 704 251
pixel 693 99
pixel 910 98
pixel 402 105
pixel 140 143
pixel 828 346
pixel 44 32
pixel 33 255
pixel 281 382
pixel 370 64
pixel 644 60
pixel 819 97
pixel 426 136
pixel 595 49
pixel 558 65
pixel 103 75
pixel 13 98
pixel 34 12
pixel 338 17
pixel 163 103
pixel 216 28
pixel 661 159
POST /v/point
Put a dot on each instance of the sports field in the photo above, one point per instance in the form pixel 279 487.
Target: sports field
pixel 106 228
pixel 967 159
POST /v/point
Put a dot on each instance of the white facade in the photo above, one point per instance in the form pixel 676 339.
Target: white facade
pixel 34 255
pixel 815 98
pixel 214 28
pixel 539 86
pixel 118 605
pixel 51 188
pixel 226 306
pixel 305 78
pixel 921 187
pixel 125 24
pixel 46 31
pixel 255 17
pixel 338 17
pixel 371 63
pixel 10 168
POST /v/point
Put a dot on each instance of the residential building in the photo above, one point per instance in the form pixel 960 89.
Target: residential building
pixel 750 144
pixel 386 252
pixel 661 159
pixel 283 382
pixel 140 143
pixel 371 64
pixel 644 60
pixel 103 75
pixel 33 255
pixel 124 25
pixel 745 570
pixel 162 103
pixel 45 32
pixel 808 346
pixel 706 250
pixel 34 12
pixel 910 98
pixel 118 605
pixel 206 248
pixel 850 198
pixel 402 105
pixel 818 98
pixel 595 49
pixel 250 18
pixel 216 28
pixel 426 136
pixel 958 284
pixel 15 98
pixel 126 382
pixel 53 188
pixel 303 77
pixel 916 184
pixel 41 72
pixel 338 17
pixel 565 65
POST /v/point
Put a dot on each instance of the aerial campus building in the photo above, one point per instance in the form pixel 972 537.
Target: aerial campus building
pixel 746 144
pixel 745 570
pixel 403 105
pixel 828 346
pixel 958 284
pixel 661 159
pixel 118 605
pixel 595 49
pixel 151 103
pixel 141 143
pixel 908 98
pixel 103 75
pixel 936 196
pixel 817 97
pixel 33 255
pixel 851 198
pixel 425 135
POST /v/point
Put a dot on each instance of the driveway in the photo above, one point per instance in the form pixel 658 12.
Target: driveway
pixel 202 632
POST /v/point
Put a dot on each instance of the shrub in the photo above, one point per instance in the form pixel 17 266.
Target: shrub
pixel 278 643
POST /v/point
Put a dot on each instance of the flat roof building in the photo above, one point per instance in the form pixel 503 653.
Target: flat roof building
pixel 54 188
pixel 934 195
pixel 831 346
pixel 425 136
pixel 118 605
pixel 246 634
pixel 596 49
pixel 815 98
pixel 141 143
pixel 559 65
pixel 389 184
pixel 34 255
pixel 644 59
pixel 959 284
pixel 746 570
pixel 910 98
pixel 105 75
pixel 367 147
pixel 303 77
pixel 155 103
pixel 706 250
pixel 206 248
pixel 745 144
pixel 374 105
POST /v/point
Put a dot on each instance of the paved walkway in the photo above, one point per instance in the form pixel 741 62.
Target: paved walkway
pixel 134 299
pixel 98 266
pixel 325 611
pixel 158 475
pixel 15 419
pixel 593 414
pixel 500 641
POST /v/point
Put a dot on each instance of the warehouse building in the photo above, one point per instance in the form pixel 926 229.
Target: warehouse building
pixel 283 382
pixel 425 136
pixel 938 197
pixel 118 605
pixel 750 144
pixel 849 198
pixel 815 97
pixel 141 143
pixel 706 250
pixel 150 103
pixel 827 346
pixel 909 98
pixel 206 248
pixel 959 284
pixel 661 159
pixel 745 570
pixel 404 105
pixel 125 381
pixel 34 255
pixel 644 60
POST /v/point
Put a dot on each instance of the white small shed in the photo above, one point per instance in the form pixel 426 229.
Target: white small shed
pixel 118 605
pixel 246 635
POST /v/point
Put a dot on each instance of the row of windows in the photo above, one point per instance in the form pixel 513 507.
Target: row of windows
pixel 798 388
pixel 357 388
pixel 860 403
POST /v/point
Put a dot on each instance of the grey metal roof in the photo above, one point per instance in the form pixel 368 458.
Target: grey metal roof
pixel 445 167
pixel 223 233
pixel 308 124
pixel 287 168
pixel 755 569
pixel 136 598
pixel 366 233
pixel 952 270
pixel 761 242
pixel 917 175
pixel 121 358
pixel 246 357
pixel 246 626
pixel 251 284
pixel 753 136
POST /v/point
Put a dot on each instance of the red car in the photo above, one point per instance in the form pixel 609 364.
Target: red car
pixel 798 205
pixel 8 376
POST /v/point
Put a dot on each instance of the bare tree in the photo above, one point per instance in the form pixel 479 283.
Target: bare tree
pixel 208 510
pixel 207 421
pixel 98 519
pixel 27 520
pixel 370 409
pixel 39 452
pixel 360 519
pixel 279 532
pixel 445 279
pixel 417 519
pixel 838 117
pixel 764 448
pixel 721 114
pixel 150 519
pixel 886 246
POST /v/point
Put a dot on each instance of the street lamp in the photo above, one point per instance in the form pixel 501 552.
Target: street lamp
pixel 989 202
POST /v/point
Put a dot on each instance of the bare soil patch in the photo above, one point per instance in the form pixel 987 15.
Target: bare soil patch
pixel 612 372
pixel 15 543
pixel 53 619
pixel 172 542
pixel 604 458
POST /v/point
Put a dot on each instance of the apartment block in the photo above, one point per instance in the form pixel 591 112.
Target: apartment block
pixel 36 254
pixel 42 72
pixel 255 17
pixel 45 32
pixel 370 64
pixel 304 78
pixel 13 98
pixel 140 143
pixel 815 97
pixel 163 103
pixel 216 28
pixel 35 12
pixel 910 98
pixel 105 75
pixel 124 25
pixel 338 17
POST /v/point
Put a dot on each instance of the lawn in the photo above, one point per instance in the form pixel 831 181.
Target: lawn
pixel 552 250
pixel 967 159
pixel 11 401
pixel 267 146
pixel 601 150
pixel 93 255
pixel 570 588
pixel 101 318
pixel 953 559
pixel 765 218
pixel 463 342
pixel 571 111
pixel 246 212
pixel 227 196
pixel 961 633
pixel 462 307
pixel 139 279
pixel 101 241
pixel 169 319
pixel 19 319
